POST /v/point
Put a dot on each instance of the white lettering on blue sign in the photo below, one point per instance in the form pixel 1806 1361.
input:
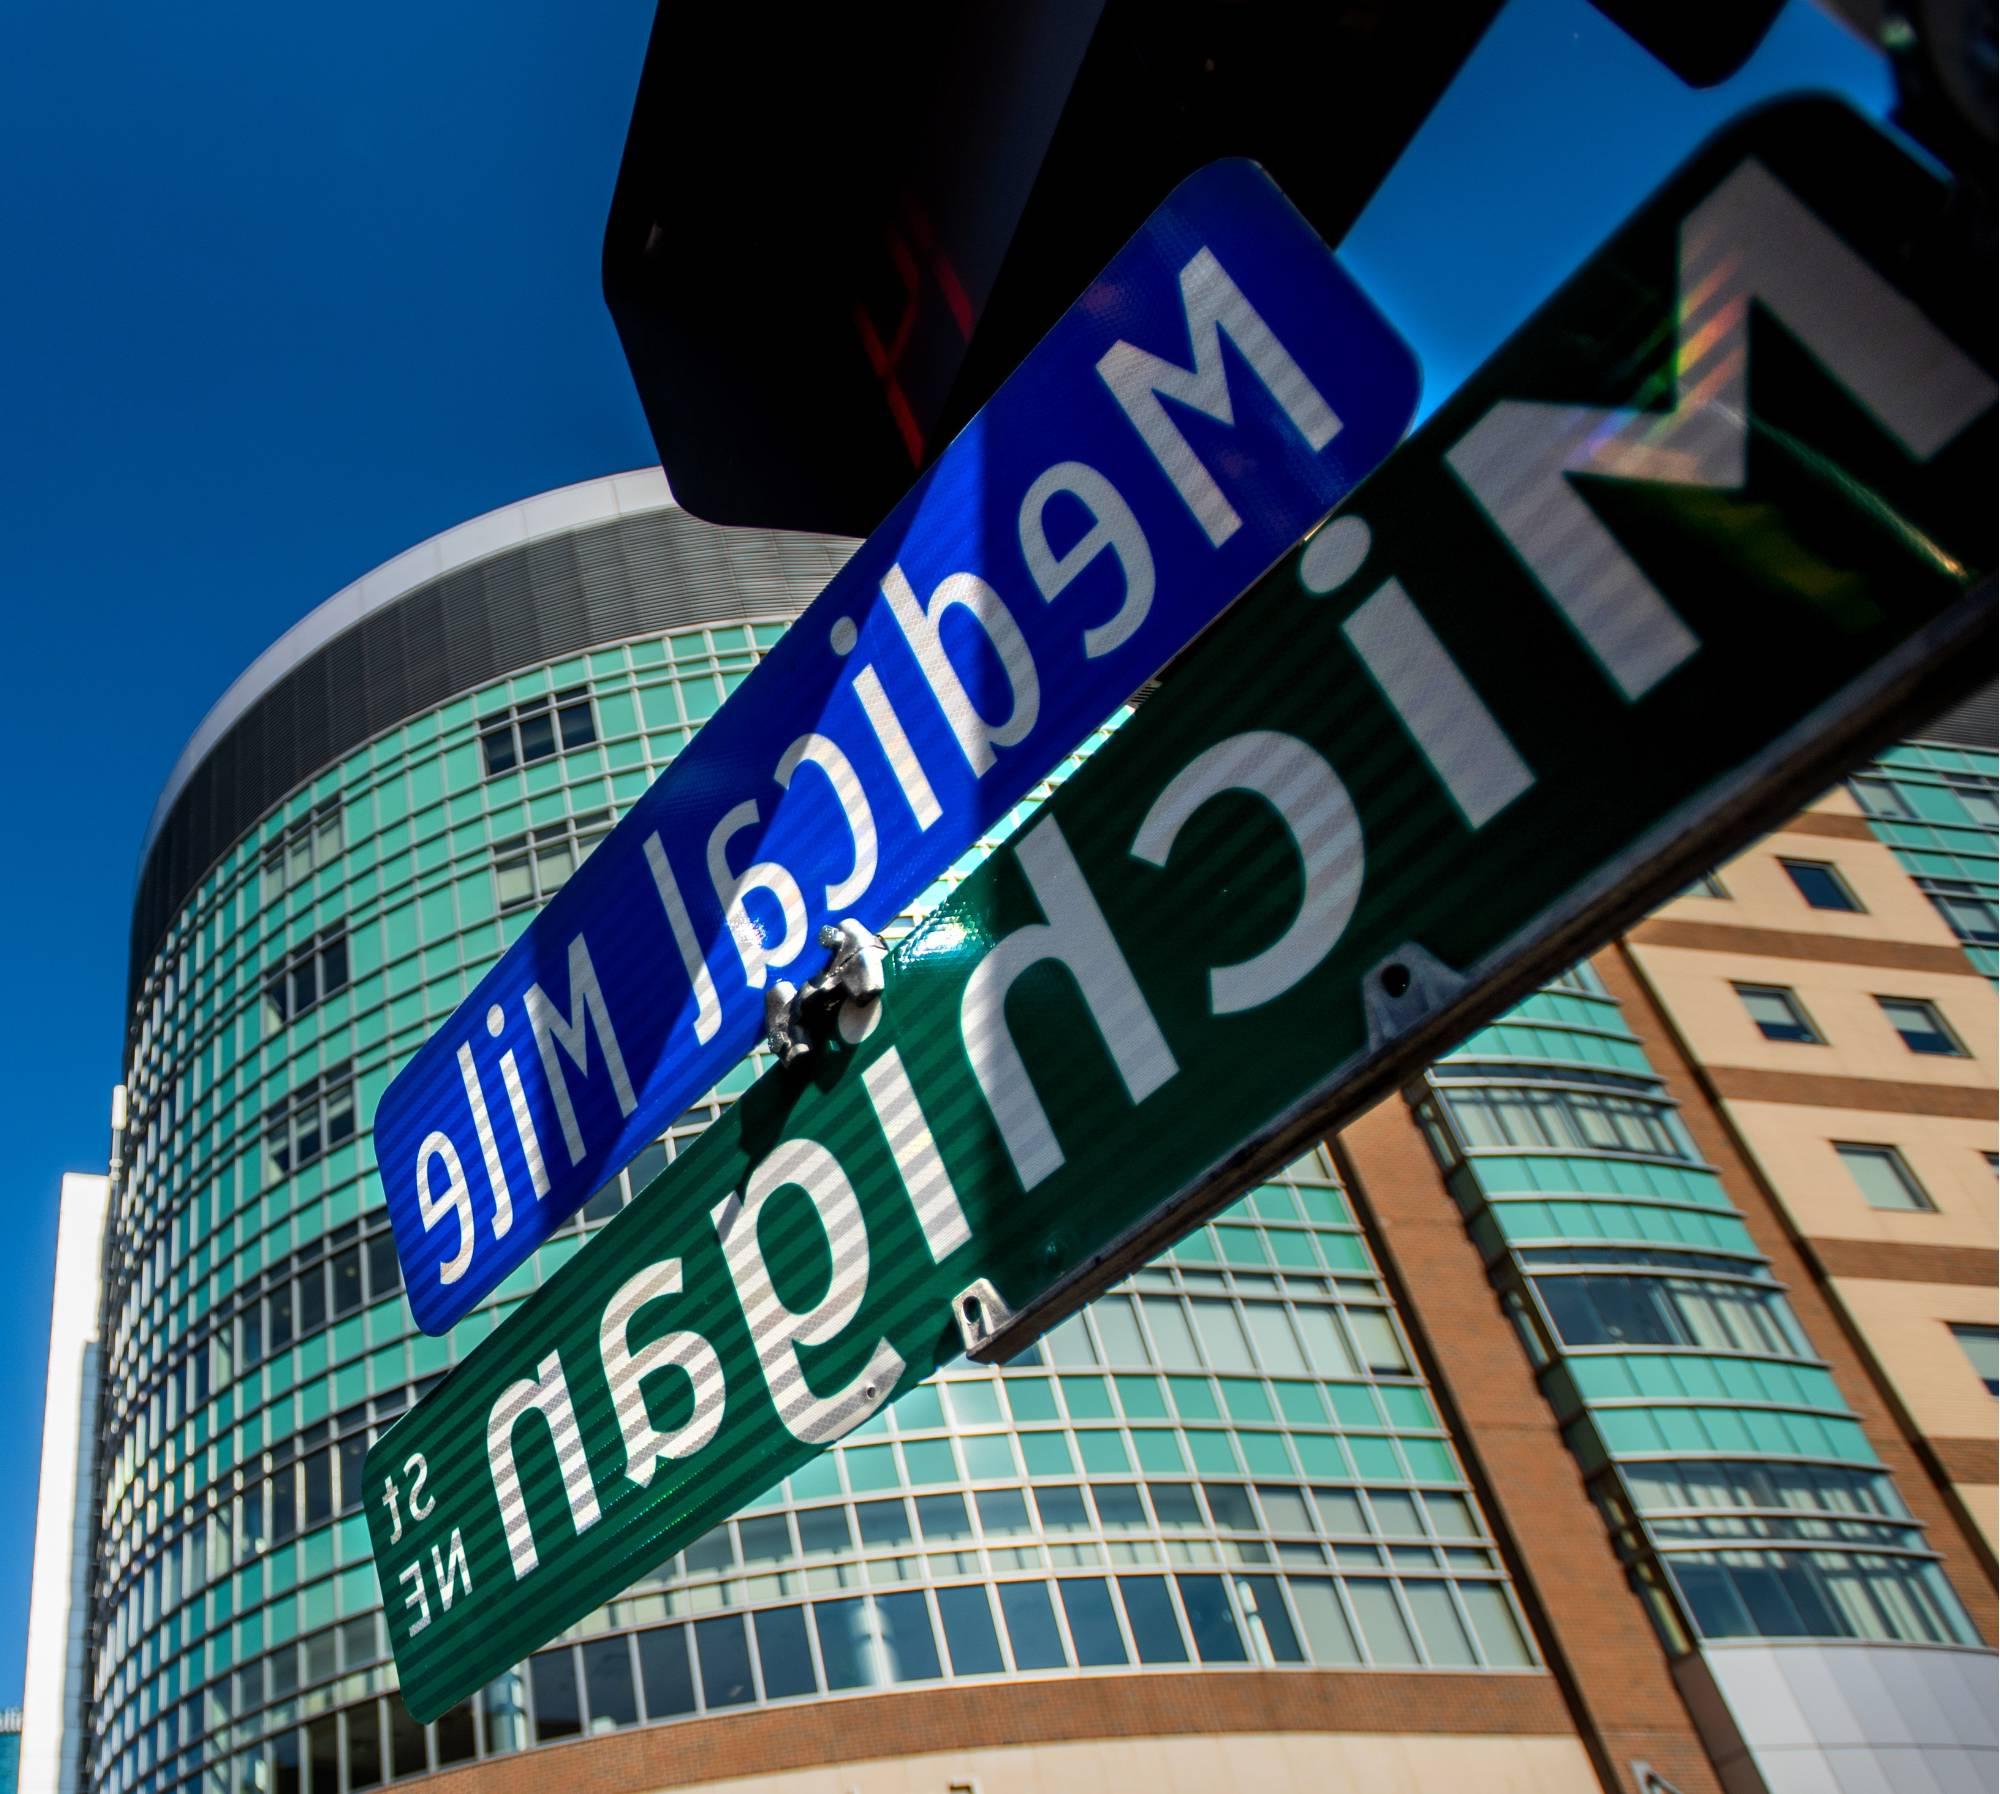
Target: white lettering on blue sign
pixel 1216 392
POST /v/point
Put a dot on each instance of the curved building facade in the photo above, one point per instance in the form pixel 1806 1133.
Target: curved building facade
pixel 1217 1527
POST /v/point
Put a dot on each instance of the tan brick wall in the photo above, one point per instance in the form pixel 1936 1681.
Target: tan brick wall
pixel 1840 998
pixel 1794 1151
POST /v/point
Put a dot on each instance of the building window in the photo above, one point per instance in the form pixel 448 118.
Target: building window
pixel 1968 912
pixel 1777 1013
pixel 308 844
pixel 533 867
pixel 1879 798
pixel 1820 884
pixel 1599 1309
pixel 1707 885
pixel 1982 1346
pixel 310 974
pixel 1977 795
pixel 1818 1594
pixel 536 728
pixel 1883 1178
pixel 1922 1028
pixel 1569 1120
pixel 308 1124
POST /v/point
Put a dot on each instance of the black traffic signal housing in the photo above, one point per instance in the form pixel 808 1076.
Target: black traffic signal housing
pixel 836 230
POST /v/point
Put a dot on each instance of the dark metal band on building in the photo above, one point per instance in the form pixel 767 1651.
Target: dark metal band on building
pixel 571 591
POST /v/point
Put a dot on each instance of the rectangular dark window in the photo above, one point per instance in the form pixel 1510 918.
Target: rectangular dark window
pixel 968 1631
pixel 943 1518
pixel 323 1754
pixel 406 1742
pixel 537 731
pixel 312 1300
pixel 1031 1624
pixel 1156 1628
pixel 664 1672
pixel 364 1746
pixel 455 1740
pixel 1778 1014
pixel 1820 884
pixel 1216 1636
pixel 282 1312
pixel 724 1652
pixel 1093 1622
pixel 824 1530
pixel 766 1539
pixel 650 1162
pixel 1923 1029
pixel 1175 1505
pixel 353 1486
pixel 322 1655
pixel 783 1653
pixel 310 973
pixel 385 1274
pixel 529 731
pixel 346 1281
pixel 606 1203
pixel 607 1679
pixel 557 1711
pixel 884 1524
pixel 1120 1507
pixel 319 1488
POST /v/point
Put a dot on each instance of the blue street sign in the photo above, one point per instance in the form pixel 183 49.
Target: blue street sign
pixel 1125 485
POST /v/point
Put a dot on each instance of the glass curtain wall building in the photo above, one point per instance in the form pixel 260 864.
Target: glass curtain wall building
pixel 1232 1463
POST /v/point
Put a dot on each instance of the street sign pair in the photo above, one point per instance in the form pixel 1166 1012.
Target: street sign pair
pixel 1209 398
pixel 1712 523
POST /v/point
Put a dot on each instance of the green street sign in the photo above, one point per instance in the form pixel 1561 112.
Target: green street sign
pixel 1717 520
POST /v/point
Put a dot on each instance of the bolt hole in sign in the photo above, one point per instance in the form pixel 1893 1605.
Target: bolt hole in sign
pixel 1216 391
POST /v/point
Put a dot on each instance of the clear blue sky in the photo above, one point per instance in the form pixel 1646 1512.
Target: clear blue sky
pixel 283 294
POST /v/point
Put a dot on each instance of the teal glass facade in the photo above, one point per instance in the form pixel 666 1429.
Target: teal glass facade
pixel 1230 1461
pixel 1739 1487
pixel 1937 807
